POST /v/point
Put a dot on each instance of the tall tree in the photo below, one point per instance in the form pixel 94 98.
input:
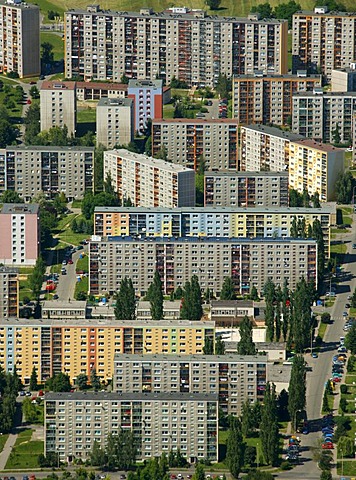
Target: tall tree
pixel 192 300
pixel 319 237
pixel 36 278
pixel 285 309
pixel 297 389
pixel 10 196
pixel 208 348
pixel 125 308
pixel 235 448
pixel 247 422
pixel 94 380
pixel 350 339
pixel 269 434
pixel 59 383
pixel 227 290
pixel 246 345
pixel 33 379
pixel 97 455
pixel 155 297
pixel 219 346
pixel 213 4
pixel 344 187
pixel 82 381
pixel 301 318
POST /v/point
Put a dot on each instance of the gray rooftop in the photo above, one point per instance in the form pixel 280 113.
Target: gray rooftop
pixel 20 208
pixel 6 270
pixel 39 148
pixel 115 102
pixel 232 303
pixel 327 14
pixel 279 373
pixel 134 83
pixel 325 94
pixel 60 305
pixel 18 4
pixel 230 174
pixel 146 397
pixel 274 76
pixel 228 358
pixel 275 132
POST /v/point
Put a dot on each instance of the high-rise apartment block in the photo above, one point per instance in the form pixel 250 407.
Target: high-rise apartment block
pixel 265 148
pixel 344 80
pixel 234 378
pixel 19 38
pixel 323 39
pixel 147 96
pixel 320 115
pixel 179 42
pixel 267 99
pixel 186 141
pixel 58 105
pixel 51 170
pixel 149 182
pixel 20 234
pixel 250 262
pixel 209 221
pixel 160 423
pixel 315 167
pixel 76 345
pixel 246 189
pixel 114 122
pixel 9 292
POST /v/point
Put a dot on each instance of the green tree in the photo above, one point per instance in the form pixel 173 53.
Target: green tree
pixel 33 379
pixel 263 9
pixel 350 339
pixel 59 383
pixel 192 300
pixel 94 380
pixel 32 124
pixel 285 310
pixel 235 448
pixel 246 346
pixel 34 92
pixel 295 198
pixel 344 187
pixel 319 237
pixel 219 346
pixel 286 11
pixel 301 318
pixel 155 297
pixel 125 308
pixel 258 475
pixel 250 455
pixel 346 446
pixel 325 317
pixel 297 389
pixel 8 133
pixel 36 279
pixel 254 294
pixel 47 55
pixel 213 4
pixel 247 421
pixel 99 168
pixel 97 455
pixel 336 135
pixel 10 196
pixel 326 407
pixel 82 381
pixel 208 348
pixel 316 200
pixel 199 473
pixel 223 86
pixel 269 433
pixel 227 290
pixel 326 475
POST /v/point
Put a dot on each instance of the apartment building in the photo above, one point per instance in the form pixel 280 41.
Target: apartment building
pixel 248 261
pixel 267 99
pixel 149 182
pixel 114 122
pixel 20 234
pixel 237 222
pixel 147 96
pixel 246 189
pixel 186 141
pixel 9 292
pixel 160 422
pixel 353 140
pixel 265 148
pixel 318 115
pixel 324 40
pixel 234 378
pixel 58 105
pixel 344 80
pixel 77 345
pixel 315 167
pixel 30 170
pixel 179 42
pixel 19 38
pixel 97 90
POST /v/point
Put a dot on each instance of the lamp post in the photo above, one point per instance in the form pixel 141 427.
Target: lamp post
pixel 353 197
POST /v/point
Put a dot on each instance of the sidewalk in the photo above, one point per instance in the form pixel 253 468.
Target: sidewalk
pixel 4 455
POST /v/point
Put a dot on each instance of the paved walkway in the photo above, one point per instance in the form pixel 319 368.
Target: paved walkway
pixel 4 455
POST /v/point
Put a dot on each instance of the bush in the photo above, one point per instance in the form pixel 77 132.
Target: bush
pixel 325 318
pixel 286 466
pixel 343 388
pixel 343 404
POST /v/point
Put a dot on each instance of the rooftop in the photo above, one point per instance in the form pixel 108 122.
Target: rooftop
pixel 274 76
pixel 20 208
pixel 325 14
pixel 231 303
pixel 112 397
pixel 324 147
pixel 134 83
pixel 228 358
pixel 7 270
pixel 57 85
pixel 115 102
pixel 48 148
pixel 325 94
pixel 149 161
pixel 275 132
pixel 101 86
pixel 60 305
pixel 18 4
pixel 232 174
pixel 195 121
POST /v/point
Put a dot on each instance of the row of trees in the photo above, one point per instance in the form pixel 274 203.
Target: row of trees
pixel 60 382
pixel 10 385
pixel 119 452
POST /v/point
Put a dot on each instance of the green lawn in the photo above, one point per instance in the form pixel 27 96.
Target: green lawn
pixel 350 379
pixel 168 110
pixel 338 248
pixel 322 329
pixel 25 290
pixel 77 204
pixel 82 286
pixel 348 467
pixel 64 232
pixel 25 452
pixel 3 439
pixel 86 115
pixel 57 43
pixel 83 264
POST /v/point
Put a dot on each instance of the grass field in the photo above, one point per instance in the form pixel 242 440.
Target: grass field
pixel 82 286
pixel 3 439
pixel 322 329
pixel 25 452
pixel 56 41
pixel 83 264
pixel 86 115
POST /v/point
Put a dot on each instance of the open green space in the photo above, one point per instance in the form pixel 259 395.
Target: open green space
pixel 338 248
pixel 77 204
pixel 25 290
pixel 25 452
pixel 56 41
pixel 3 439
pixel 322 329
pixel 86 115
pixel 347 467
pixel 64 233
pixel 81 286
pixel 350 380
pixel 168 110
pixel 83 264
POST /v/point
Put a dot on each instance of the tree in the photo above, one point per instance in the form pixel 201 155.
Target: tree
pixel 258 475
pixel 32 124
pixel 227 290
pixel 192 301
pixel 33 379
pixel 263 9
pixel 300 320
pixel 155 297
pixel 94 380
pixel 125 308
pixel 47 55
pixel 36 279
pixel 219 346
pixel 286 11
pixel 223 86
pixel 269 434
pixel 297 389
pixel 235 448
pixel 82 381
pixel 208 348
pixel 316 200
pixel 250 455
pixel 59 383
pixel 121 450
pixel 344 187
pixel 350 339
pixel 8 133
pixel 10 196
pixel 199 472
pixel 213 4
pixel 97 455
pixel 336 135
pixel 326 407
pixel 34 93
pixel 319 237
pixel 254 294
pixel 295 198
pixel 325 317
pixel 246 345
pixel 346 446
pixel 326 475
pixel 247 424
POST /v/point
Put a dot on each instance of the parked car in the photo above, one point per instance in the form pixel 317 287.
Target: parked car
pixel 327 446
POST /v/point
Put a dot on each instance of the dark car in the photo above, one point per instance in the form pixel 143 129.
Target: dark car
pixel 55 297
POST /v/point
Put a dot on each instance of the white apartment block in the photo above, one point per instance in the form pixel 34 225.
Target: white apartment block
pixel 114 122
pixel 317 115
pixel 315 167
pixel 19 38
pixel 184 43
pixel 344 80
pixel 187 140
pixel 33 169
pixel 58 105
pixel 265 148
pixel 323 39
pixel 149 182
pixel 160 422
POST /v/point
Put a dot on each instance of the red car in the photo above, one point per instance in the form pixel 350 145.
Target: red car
pixel 70 261
pixel 336 379
pixel 327 446
pixel 29 102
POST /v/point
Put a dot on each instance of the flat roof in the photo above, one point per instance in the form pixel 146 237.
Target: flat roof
pixel 59 304
pixel 195 121
pixel 57 85
pixel 217 210
pixel 149 161
pixel 135 83
pixel 48 148
pixel 8 270
pixel 274 131
pixel 20 208
pixel 229 173
pixel 325 94
pixel 115 102
pixel 19 4
pixel 275 76
pixel 151 396
pixel 308 142
pixel 167 305
pixel 228 358
pixel 102 86
pixel 232 303
pixel 312 13
pixel 102 322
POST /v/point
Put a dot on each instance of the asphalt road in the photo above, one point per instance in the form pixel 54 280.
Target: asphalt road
pixel 66 285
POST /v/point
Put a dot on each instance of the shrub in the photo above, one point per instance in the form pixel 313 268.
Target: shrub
pixel 343 388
